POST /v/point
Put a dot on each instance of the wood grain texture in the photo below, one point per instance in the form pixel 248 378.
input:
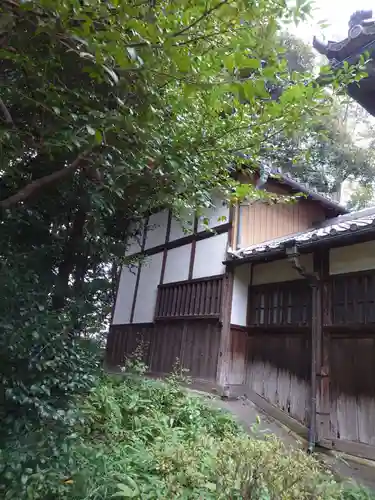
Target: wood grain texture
pixel 278 369
pixel 280 304
pixel 238 354
pixel 194 345
pixel 199 298
pixel 352 372
pixel 261 221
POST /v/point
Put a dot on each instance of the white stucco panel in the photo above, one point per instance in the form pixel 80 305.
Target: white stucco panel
pixel 219 211
pixel 134 244
pixel 177 265
pixel 209 256
pixel 147 289
pixel 181 228
pixel 349 259
pixel 125 294
pixel 240 293
pixel 280 270
pixel 156 229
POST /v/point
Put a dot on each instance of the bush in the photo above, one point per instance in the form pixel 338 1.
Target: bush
pixel 147 439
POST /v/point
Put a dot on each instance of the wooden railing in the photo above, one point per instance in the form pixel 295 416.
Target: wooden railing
pixel 199 298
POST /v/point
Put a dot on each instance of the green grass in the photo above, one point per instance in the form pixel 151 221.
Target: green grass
pixel 148 439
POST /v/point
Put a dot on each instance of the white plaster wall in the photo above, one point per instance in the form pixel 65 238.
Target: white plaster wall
pixel 240 292
pixel 180 229
pixel 125 294
pixel 134 244
pixel 209 256
pixel 219 210
pixel 358 257
pixel 147 289
pixel 156 229
pixel 177 265
pixel 280 270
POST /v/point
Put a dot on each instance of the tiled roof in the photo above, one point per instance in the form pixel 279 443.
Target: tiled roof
pixel 284 178
pixel 344 225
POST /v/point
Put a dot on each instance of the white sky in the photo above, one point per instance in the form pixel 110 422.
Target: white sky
pixel 336 13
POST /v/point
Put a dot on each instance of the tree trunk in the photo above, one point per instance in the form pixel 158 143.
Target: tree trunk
pixel 66 267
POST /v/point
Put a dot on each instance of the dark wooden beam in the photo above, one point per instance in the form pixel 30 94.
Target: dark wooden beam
pixel 165 254
pixel 193 249
pixel 322 340
pixel 138 273
pixel 222 377
pixel 201 235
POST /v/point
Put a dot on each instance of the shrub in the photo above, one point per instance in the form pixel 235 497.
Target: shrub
pixel 148 439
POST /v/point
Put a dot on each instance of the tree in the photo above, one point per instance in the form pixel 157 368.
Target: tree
pixel 110 110
pixel 116 109
pixel 333 149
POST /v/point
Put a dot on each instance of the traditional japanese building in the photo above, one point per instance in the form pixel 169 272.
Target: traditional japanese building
pixel 359 42
pixel 275 302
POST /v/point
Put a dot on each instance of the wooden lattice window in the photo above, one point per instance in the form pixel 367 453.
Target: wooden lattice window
pixel 353 298
pixel 280 304
pixel 190 299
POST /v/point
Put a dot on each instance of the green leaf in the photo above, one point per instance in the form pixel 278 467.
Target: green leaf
pixel 98 136
pixel 125 492
pixel 90 130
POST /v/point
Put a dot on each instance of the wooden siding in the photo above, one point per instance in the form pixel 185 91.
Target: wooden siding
pixel 278 369
pixel 352 388
pixel 261 221
pixel 195 344
pixel 238 354
pixel 278 359
pixel 195 298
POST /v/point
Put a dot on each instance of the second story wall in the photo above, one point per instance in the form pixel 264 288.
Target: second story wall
pixel 172 254
pixel 261 221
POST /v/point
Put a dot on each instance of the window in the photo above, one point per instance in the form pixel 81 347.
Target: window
pixel 280 304
pixel 353 298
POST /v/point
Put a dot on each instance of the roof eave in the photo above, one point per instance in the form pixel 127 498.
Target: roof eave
pixel 296 186
pixel 274 253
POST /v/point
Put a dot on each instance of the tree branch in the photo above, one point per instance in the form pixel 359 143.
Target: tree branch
pixel 25 193
pixel 7 116
pixel 205 14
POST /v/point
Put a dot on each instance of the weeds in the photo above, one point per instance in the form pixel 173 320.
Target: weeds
pixel 147 439
pixel 161 442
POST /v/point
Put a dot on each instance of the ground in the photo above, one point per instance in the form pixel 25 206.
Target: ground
pixel 248 414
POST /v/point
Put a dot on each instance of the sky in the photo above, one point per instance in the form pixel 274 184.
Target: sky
pixel 336 13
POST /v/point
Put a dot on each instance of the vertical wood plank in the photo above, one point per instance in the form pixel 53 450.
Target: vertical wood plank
pixel 139 272
pixel 226 309
pixel 188 298
pixel 207 305
pixel 197 299
pixel 219 294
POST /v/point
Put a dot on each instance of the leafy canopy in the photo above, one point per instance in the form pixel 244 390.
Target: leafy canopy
pixel 109 110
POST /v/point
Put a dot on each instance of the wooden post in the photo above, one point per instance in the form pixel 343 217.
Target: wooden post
pixel 222 376
pixel 321 266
